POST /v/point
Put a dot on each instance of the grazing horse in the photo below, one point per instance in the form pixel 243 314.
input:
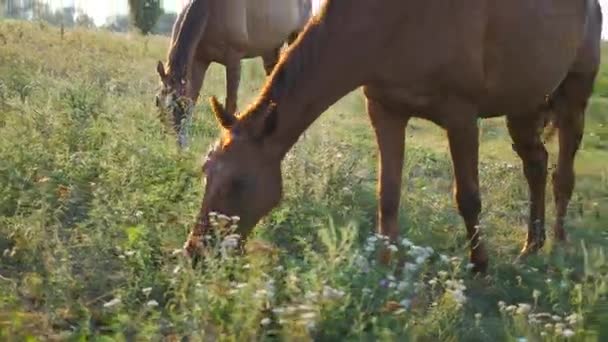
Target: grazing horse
pixel 445 61
pixel 223 31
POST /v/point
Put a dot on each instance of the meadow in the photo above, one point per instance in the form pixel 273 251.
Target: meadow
pixel 95 198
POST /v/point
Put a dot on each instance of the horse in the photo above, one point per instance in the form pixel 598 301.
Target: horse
pixel 451 63
pixel 225 32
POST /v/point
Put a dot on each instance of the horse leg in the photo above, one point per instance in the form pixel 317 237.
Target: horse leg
pixel 527 143
pixel 389 127
pixel 570 102
pixel 271 59
pixel 233 78
pixel 197 77
pixel 463 136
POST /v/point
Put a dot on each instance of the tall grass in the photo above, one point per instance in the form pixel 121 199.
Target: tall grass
pixel 95 199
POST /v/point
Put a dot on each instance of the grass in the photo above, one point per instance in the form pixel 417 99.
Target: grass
pixel 94 199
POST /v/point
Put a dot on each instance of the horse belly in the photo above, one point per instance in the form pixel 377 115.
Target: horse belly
pixel 525 63
pixel 269 22
pixel 232 15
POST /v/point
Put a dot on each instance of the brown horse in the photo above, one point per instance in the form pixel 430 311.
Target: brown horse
pixel 223 31
pixel 447 62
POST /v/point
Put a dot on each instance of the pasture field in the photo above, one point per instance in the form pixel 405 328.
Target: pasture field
pixel 95 198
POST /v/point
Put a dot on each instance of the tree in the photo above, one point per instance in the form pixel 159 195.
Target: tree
pixel 144 14
pixel 83 20
pixel 164 25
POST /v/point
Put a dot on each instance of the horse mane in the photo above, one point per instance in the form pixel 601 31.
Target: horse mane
pixel 291 67
pixel 187 34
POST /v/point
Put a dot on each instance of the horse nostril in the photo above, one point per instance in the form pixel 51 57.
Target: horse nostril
pixel 157 101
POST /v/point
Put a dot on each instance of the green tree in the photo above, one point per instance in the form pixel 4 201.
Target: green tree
pixel 145 14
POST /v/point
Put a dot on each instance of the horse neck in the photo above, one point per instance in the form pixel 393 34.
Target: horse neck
pixel 323 66
pixel 186 39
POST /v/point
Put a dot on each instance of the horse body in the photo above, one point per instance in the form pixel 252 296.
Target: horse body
pixel 225 32
pixel 444 61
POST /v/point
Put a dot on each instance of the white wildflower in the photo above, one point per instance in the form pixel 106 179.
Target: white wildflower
pixel 393 248
pixel 523 308
pixel 406 243
pixel 568 333
pixel 409 267
pixel 308 315
pixel 402 286
pixel 152 303
pixel 405 303
pixel 146 291
pixel 556 318
pixel 433 282
pixel 442 274
pixel 444 258
pixel 112 303
pixel 265 321
pixel 331 293
pixel 130 253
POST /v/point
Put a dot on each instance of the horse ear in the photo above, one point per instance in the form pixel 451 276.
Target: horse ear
pixel 224 119
pixel 160 68
pixel 270 120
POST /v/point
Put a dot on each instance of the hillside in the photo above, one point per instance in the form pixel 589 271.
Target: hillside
pixel 95 197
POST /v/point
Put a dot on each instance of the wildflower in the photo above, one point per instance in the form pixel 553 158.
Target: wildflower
pixel 556 318
pixel 402 285
pixel 231 241
pixel 130 253
pixel 235 219
pixel 177 269
pixel 511 308
pixel 523 308
pixel 501 304
pixel 393 248
pixel 331 293
pixel 405 303
pixel 568 333
pixel 421 259
pixel 442 274
pixel 146 291
pixel 308 315
pixel 310 326
pixel 433 281
pixel 261 293
pixel 366 290
pixel 406 243
pixel 246 266
pixel 112 303
pixel 543 333
pixel 265 321
pixel 444 258
pixel 572 319
pixel 152 303
pixel 469 266
pixel 478 316
pixel 429 250
pixel 409 267
pixel 549 326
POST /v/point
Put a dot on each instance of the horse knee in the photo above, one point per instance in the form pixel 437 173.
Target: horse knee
pixel 389 203
pixel 469 203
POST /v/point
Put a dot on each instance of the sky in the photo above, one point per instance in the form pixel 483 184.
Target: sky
pixel 99 10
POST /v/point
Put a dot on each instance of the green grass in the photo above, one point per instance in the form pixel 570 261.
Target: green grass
pixel 94 199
